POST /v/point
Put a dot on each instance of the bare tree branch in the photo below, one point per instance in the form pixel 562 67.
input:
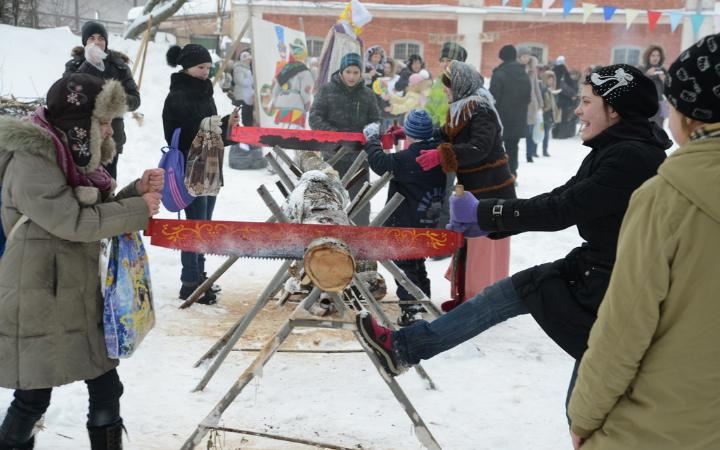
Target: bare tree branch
pixel 159 13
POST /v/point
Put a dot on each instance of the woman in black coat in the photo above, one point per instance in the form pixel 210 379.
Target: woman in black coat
pixel 563 296
pixel 190 103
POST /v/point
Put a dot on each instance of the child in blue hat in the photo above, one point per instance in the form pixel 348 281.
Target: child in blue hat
pixel 423 192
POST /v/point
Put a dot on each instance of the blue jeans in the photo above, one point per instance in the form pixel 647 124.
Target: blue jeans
pixel 193 264
pixel 423 340
pixel 546 137
pixel 530 145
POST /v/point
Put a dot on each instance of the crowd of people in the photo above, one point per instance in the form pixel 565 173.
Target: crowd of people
pixel 641 333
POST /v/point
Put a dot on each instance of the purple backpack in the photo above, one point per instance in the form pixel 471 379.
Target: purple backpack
pixel 175 195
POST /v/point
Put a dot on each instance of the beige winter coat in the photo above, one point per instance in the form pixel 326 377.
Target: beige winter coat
pixel 51 329
pixel 650 378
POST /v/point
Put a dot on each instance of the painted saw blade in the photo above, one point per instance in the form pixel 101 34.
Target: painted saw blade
pixel 296 139
pixel 289 240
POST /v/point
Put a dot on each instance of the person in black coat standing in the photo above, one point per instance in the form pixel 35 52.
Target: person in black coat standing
pixel 563 296
pixel 423 191
pixel 95 58
pixel 510 85
pixel 188 106
pixel 346 104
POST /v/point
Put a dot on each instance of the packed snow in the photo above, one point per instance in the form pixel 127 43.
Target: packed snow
pixel 504 389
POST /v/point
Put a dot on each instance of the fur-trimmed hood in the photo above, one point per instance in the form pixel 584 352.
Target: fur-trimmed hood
pixel 21 135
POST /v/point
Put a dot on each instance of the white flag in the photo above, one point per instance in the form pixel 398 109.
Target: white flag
pixel 360 15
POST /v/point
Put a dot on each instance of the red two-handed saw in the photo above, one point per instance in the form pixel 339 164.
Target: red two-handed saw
pixel 303 139
pixel 289 240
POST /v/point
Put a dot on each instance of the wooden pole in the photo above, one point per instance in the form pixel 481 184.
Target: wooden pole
pixel 231 52
pixel 146 40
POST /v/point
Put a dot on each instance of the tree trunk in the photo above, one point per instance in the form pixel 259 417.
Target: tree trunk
pixel 159 13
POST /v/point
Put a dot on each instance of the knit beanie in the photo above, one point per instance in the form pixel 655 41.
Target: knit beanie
pixel 508 53
pixel 626 89
pixel 523 50
pixel 90 28
pixel 189 56
pixel 692 84
pixel 454 51
pixel 418 125
pixel 351 59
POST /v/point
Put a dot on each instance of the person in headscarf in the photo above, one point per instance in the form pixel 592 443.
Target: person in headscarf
pixel 292 89
pixel 473 149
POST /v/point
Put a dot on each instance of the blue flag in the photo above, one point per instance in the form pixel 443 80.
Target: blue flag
pixel 609 11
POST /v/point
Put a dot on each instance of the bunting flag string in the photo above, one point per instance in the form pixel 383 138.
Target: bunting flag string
pixel 675 19
pixel 609 11
pixel 588 9
pixel 630 16
pixel 653 17
pixel 697 21
pixel 546 4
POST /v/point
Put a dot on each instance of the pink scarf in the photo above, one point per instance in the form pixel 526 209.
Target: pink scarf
pixel 99 178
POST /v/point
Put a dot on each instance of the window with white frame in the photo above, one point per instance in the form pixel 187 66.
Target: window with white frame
pixel 537 50
pixel 626 54
pixel 314 46
pixel 403 49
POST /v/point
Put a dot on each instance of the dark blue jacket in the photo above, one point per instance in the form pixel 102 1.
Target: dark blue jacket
pixel 423 191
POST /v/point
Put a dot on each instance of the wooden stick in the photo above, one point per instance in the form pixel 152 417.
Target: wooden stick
pixel 147 40
pixel 277 437
pixel 231 52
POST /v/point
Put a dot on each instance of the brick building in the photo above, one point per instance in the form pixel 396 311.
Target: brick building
pixel 404 27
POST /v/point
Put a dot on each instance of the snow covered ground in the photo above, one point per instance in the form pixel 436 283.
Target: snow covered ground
pixel 504 389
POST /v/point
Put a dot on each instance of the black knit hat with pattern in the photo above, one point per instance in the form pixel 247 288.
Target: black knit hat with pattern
pixel 692 84
pixel 189 56
pixel 626 89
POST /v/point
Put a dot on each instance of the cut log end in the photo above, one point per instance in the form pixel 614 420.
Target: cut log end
pixel 329 264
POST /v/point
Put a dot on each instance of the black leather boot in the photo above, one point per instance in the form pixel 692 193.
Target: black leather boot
pixel 16 433
pixel 106 438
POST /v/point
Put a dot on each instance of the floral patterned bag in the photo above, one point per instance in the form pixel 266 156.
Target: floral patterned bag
pixel 128 313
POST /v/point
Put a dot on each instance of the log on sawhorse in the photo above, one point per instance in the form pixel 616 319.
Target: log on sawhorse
pixel 222 348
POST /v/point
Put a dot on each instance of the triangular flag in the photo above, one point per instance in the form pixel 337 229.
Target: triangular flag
pixel 360 15
pixel 505 2
pixel 697 21
pixel 608 11
pixel 525 4
pixel 630 16
pixel 568 5
pixel 653 17
pixel 546 4
pixel 675 19
pixel 588 9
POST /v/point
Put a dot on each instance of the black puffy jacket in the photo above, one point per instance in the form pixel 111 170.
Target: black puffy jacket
pixel 116 68
pixel 338 107
pixel 510 85
pixel 189 101
pixel 564 296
